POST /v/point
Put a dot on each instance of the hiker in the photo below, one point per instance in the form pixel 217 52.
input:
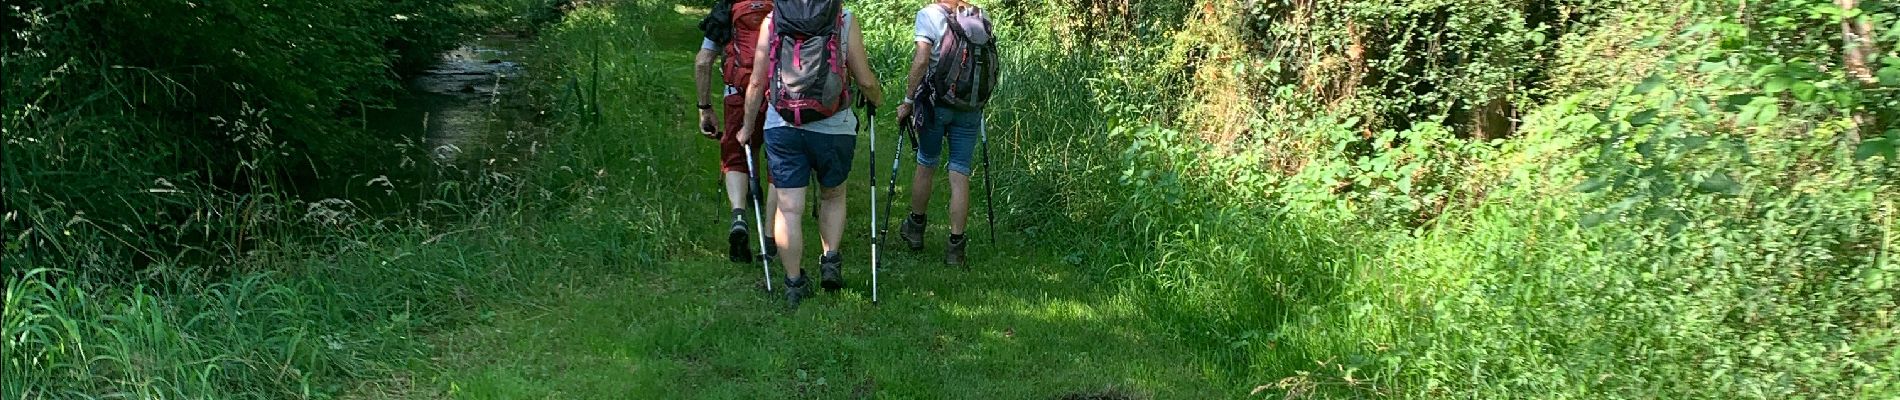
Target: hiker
pixel 951 75
pixel 808 54
pixel 730 32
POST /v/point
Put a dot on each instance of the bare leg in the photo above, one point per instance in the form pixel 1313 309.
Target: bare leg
pixel 771 214
pixel 920 185
pixel 789 235
pixel 959 202
pixel 831 214
pixel 737 189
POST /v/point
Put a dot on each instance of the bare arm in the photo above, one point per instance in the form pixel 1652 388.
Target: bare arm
pixel 702 74
pixel 919 65
pixel 860 64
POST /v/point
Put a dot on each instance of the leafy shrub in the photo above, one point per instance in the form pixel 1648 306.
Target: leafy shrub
pixel 139 133
pixel 1730 236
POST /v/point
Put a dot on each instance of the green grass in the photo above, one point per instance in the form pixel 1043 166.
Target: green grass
pixel 1020 323
pixel 1134 257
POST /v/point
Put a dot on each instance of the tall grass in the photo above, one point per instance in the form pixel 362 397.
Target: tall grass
pixel 161 237
pixel 1398 259
pixel 1332 243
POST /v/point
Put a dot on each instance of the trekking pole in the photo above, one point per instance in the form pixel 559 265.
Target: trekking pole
pixel 890 192
pixel 758 215
pixel 989 188
pixel 871 110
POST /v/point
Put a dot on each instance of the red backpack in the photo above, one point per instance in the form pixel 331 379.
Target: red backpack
pixel 747 15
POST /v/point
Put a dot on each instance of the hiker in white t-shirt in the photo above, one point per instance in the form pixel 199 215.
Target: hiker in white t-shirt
pixel 939 124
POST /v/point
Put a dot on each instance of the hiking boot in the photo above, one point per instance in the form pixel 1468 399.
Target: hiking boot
pixel 953 255
pixel 913 231
pixel 828 267
pixel 736 248
pixel 796 290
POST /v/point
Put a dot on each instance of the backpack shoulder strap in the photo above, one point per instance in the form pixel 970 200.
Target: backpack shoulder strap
pixel 950 20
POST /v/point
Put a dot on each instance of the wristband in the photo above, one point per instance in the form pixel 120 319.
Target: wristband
pixel 907 101
pixel 705 106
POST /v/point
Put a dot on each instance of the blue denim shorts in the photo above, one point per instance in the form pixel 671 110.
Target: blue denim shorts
pixel 793 154
pixel 963 129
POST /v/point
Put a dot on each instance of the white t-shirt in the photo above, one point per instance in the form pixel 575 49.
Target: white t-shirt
pixel 932 23
pixel 844 122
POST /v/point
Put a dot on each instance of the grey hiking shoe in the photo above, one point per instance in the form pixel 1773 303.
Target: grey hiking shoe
pixel 953 254
pixel 828 266
pixel 736 248
pixel 796 290
pixel 913 231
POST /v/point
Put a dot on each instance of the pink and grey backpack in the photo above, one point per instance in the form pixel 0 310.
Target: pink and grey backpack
pixel 967 67
pixel 809 82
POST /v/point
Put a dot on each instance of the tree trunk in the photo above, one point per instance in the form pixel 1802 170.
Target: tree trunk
pixel 1857 42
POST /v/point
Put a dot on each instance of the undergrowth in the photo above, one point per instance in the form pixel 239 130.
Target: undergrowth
pixel 164 233
pixel 1486 199
pixel 1424 199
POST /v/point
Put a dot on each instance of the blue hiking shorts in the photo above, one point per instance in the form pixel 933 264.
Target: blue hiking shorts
pixel 795 153
pixel 963 129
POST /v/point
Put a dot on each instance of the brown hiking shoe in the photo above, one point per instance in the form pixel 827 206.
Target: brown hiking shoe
pixel 953 254
pixel 913 231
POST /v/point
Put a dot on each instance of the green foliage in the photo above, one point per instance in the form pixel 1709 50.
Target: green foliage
pixel 1728 239
pixel 158 156
pixel 139 131
pixel 1690 200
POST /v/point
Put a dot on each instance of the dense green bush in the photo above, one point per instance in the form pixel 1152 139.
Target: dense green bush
pixel 1688 200
pixel 156 160
pixel 139 132
pixel 1684 201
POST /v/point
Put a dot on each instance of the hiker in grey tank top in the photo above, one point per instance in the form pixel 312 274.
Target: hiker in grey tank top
pixel 796 151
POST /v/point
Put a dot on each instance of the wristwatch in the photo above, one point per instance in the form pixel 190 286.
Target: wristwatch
pixel 705 106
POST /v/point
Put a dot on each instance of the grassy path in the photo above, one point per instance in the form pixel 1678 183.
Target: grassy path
pixel 1020 323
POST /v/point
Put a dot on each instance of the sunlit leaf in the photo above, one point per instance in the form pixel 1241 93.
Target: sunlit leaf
pixel 1777 85
pixel 1768 114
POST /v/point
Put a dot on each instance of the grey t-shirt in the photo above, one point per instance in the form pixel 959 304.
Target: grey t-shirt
pixel 844 122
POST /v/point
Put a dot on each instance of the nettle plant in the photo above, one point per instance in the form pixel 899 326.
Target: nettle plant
pixel 1764 79
pixel 1646 149
pixel 1820 60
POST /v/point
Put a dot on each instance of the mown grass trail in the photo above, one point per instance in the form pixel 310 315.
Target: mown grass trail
pixel 1019 323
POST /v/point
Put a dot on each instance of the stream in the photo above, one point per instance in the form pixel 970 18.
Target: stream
pixel 453 105
pixel 454 115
